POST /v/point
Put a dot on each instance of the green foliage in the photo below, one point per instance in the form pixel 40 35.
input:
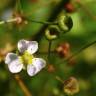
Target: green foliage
pixel 83 32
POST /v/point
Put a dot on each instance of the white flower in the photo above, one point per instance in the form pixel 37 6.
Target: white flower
pixel 16 63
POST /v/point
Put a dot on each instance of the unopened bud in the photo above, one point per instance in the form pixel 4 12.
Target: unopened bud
pixel 52 32
pixel 65 22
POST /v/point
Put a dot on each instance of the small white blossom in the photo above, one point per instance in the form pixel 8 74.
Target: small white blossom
pixel 16 63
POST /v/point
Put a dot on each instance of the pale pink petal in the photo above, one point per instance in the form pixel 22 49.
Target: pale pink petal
pixel 32 47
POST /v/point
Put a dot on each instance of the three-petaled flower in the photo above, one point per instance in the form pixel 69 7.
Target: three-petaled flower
pixel 25 58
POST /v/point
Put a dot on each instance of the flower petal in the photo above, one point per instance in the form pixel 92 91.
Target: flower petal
pixel 22 45
pixel 32 47
pixel 15 66
pixel 31 70
pixel 10 57
pixel 39 63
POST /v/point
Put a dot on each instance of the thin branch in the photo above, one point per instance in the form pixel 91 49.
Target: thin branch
pixel 18 19
pixel 59 79
pixel 41 22
pixel 19 6
pixel 79 51
pixel 22 85
pixel 49 50
pixel 8 21
pixel 82 49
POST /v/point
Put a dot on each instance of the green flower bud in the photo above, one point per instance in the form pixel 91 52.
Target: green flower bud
pixel 52 32
pixel 65 23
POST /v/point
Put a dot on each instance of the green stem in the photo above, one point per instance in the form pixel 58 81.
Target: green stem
pixel 79 51
pixel 59 79
pixel 49 50
pixel 41 22
pixel 16 19
pixel 82 49
pixel 19 6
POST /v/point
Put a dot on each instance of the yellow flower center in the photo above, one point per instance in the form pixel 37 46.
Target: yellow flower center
pixel 26 58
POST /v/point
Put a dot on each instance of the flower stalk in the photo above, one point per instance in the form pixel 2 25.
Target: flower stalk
pixel 59 79
pixel 49 50
pixel 82 49
pixel 10 20
pixel 79 51
pixel 22 85
pixel 41 22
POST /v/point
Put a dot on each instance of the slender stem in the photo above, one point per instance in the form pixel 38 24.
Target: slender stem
pixel 41 22
pixel 82 49
pixel 49 50
pixel 19 6
pixel 22 85
pixel 17 18
pixel 79 51
pixel 86 9
pixel 59 79
pixel 8 21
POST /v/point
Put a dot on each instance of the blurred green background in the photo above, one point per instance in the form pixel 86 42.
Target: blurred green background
pixel 82 33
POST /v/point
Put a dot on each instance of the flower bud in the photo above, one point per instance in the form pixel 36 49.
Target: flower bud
pixel 63 49
pixel 51 68
pixel 65 23
pixel 52 32
pixel 71 86
pixel 69 7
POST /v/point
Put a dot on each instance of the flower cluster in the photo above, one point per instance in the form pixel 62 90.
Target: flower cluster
pixel 25 59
